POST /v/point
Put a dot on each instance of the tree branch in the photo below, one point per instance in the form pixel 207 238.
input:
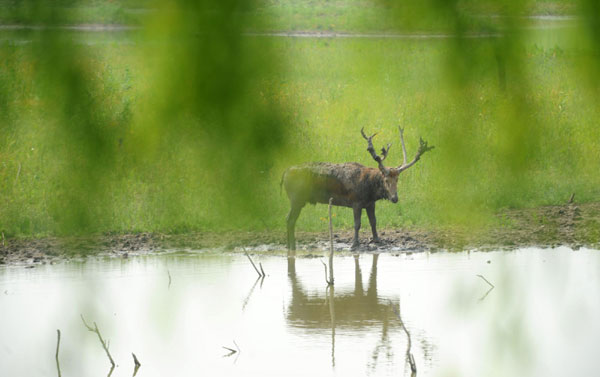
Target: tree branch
pixel 409 355
pixel 104 345
pixel 57 348
pixel 253 265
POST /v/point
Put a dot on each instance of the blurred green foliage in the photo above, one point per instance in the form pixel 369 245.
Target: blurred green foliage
pixel 186 123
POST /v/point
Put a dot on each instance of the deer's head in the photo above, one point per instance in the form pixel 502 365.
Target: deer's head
pixel 390 175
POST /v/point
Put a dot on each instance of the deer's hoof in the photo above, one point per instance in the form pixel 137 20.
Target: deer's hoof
pixel 355 246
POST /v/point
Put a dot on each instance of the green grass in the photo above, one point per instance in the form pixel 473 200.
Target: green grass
pixel 293 15
pixel 344 85
pixel 533 144
pixel 74 12
pixel 389 16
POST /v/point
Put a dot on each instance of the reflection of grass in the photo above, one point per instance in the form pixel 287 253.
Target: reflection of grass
pixel 332 88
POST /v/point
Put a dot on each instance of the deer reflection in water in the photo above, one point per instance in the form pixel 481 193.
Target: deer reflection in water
pixel 356 309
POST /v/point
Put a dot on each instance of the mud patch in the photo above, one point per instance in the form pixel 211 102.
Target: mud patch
pixel 570 225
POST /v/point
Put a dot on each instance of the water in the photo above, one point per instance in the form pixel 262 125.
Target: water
pixel 176 313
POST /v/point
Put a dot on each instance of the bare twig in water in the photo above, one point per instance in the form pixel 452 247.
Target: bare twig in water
pixel 57 348
pixel 104 345
pixel 169 273
pixel 409 355
pixel 253 265
pixel 413 365
pixel 250 293
pixel 331 301
pixel 136 363
pixel 486 280
pixel 486 293
pixel 489 290
pixel 231 350
pixel 261 270
pixel 330 282
pixel 329 279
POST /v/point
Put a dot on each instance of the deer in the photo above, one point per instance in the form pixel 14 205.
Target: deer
pixel 348 185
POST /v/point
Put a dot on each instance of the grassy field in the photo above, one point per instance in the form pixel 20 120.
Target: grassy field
pixel 515 132
pixel 278 15
pixel 329 88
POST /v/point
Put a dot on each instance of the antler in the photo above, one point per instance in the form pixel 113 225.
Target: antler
pixel 401 129
pixel 371 149
pixel 423 147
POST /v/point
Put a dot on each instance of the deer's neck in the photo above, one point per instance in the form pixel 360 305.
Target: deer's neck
pixel 379 188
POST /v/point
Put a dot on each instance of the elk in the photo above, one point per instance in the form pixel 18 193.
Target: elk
pixel 349 185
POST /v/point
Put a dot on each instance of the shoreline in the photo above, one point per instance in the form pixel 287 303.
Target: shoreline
pixel 572 225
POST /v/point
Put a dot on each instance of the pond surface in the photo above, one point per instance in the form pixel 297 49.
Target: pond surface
pixel 176 312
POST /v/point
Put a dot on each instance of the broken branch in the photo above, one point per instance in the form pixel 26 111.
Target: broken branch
pixel 231 350
pixel 489 290
pixel 253 265
pixel 330 281
pixel 325 269
pixel 97 331
pixel 57 348
pixel 486 280
pixel 409 355
pixel 136 364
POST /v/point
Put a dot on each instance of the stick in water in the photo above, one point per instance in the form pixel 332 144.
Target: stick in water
pixel 231 350
pixel 136 363
pixel 253 265
pixel 330 245
pixel 486 280
pixel 489 290
pixel 409 355
pixel 57 348
pixel 325 269
pixel 95 329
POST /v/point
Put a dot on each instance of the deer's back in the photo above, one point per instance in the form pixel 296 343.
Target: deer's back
pixel 346 183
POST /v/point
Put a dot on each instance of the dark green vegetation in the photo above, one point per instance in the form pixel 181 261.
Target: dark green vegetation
pixel 274 15
pixel 73 11
pixel 178 127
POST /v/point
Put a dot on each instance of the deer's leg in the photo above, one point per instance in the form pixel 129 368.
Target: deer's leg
pixel 291 224
pixel 358 285
pixel 373 222
pixel 357 216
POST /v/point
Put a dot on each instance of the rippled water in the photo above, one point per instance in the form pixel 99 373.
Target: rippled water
pixel 176 312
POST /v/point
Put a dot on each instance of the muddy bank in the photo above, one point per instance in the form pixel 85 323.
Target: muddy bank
pixel 574 225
